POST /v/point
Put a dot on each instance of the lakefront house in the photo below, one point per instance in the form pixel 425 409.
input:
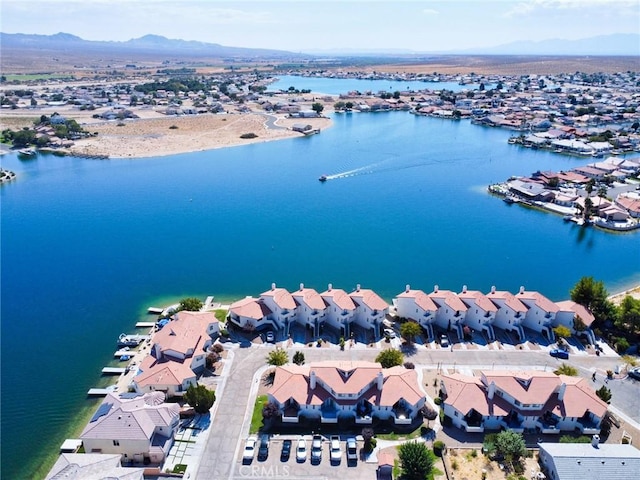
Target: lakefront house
pixel 532 401
pixel 347 392
pixel 340 309
pixel 141 428
pixel 417 306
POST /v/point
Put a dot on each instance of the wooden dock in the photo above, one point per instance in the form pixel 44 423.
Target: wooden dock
pixel 119 353
pixel 101 392
pixel 113 370
pixel 155 310
pixel 145 324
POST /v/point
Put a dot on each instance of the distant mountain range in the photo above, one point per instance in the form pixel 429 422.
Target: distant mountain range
pixel 605 45
pixel 623 44
pixel 155 44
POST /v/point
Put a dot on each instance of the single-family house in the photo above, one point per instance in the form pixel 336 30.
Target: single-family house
pixel 141 428
pixel 522 400
pixel 481 312
pixel 92 466
pixel 173 377
pixel 589 461
pixel 417 306
pixel 310 309
pixel 371 310
pixel 541 312
pixel 340 309
pixel 347 392
pixel 511 311
pixel 451 310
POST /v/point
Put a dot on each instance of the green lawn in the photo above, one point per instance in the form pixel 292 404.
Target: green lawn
pixel 35 76
pixel 256 418
pixel 221 315
pixel 401 436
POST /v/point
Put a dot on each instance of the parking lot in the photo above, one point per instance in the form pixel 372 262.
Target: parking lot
pixel 277 467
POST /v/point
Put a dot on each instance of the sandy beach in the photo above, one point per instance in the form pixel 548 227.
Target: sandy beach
pixel 617 297
pixel 159 136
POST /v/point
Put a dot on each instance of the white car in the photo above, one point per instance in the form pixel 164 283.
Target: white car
pixel 335 450
pixel 249 449
pixel 388 332
pixel 301 450
pixel 444 341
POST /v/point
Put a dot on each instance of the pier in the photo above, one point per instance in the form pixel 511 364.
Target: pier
pixel 122 352
pixel 113 370
pixel 101 392
pixel 155 310
pixel 145 324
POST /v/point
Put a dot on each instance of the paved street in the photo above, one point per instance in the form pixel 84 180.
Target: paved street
pixel 220 458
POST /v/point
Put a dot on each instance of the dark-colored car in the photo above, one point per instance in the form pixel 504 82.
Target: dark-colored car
pixel 286 450
pixel 352 450
pixel 635 373
pixel 559 353
pixel 263 450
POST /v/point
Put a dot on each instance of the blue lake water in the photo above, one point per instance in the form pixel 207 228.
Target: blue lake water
pixel 336 86
pixel 87 245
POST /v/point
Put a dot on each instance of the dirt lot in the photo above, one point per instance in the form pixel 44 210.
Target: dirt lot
pixel 464 464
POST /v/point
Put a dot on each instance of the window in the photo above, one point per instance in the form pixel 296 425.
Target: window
pixel 116 443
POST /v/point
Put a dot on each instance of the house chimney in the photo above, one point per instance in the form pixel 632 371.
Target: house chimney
pixel 435 289
pixel 492 390
pixel 312 380
pixel 561 391
pixel 329 287
pixel 521 290
pixel 273 286
pixel 493 289
pixel 595 441
pixel 302 286
pixel 357 287
pixel 464 289
pixel 380 380
pixel 407 288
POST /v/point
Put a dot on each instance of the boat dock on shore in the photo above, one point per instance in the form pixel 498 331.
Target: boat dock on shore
pixel 101 392
pixel 113 370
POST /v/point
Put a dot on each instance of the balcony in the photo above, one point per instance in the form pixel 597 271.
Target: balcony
pixel 588 426
pixel 290 414
pixel 402 415
pixel 329 413
pixel 363 413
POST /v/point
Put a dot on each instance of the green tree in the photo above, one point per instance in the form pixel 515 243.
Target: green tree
pixel 562 332
pixel 629 313
pixel 339 105
pixel 566 369
pixel 200 398
pixel 593 295
pixel 348 105
pixel 604 394
pixel 277 357
pixel 317 107
pixel 410 330
pixel 367 436
pixel 190 304
pixel 23 138
pixel 416 460
pixel 270 411
pixel 298 358
pixel 511 445
pixel 390 358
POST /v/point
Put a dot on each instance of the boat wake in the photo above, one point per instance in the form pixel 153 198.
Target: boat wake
pixel 388 165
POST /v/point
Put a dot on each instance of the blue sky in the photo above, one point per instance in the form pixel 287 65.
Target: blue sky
pixel 303 25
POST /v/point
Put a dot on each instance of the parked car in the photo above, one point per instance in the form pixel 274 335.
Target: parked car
pixel 263 450
pixel 635 373
pixel 301 450
pixel 249 449
pixel 286 450
pixel 388 332
pixel 352 450
pixel 444 341
pixel 559 353
pixel 335 450
pixel 270 337
pixel 316 449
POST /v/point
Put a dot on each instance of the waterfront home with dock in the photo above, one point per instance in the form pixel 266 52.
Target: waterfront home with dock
pixel 370 311
pixel 541 312
pixel 511 311
pixel 522 400
pixel 178 354
pixel 481 311
pixel 358 392
pixel 451 310
pixel 141 428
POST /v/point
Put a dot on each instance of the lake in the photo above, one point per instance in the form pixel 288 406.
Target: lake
pixel 88 245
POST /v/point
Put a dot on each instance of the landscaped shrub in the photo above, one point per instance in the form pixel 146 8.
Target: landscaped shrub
pixel 437 401
pixel 248 135
pixel 438 447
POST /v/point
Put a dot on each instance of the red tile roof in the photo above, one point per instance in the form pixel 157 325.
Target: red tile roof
pixel 281 297
pixel 340 298
pixel 580 311
pixel 422 299
pixel 540 300
pixel 310 297
pixel 369 298
pixel 250 308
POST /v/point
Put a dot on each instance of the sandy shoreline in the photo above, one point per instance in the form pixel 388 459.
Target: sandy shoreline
pixel 633 291
pixel 160 136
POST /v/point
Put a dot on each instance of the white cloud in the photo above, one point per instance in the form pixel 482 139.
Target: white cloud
pixel 527 7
